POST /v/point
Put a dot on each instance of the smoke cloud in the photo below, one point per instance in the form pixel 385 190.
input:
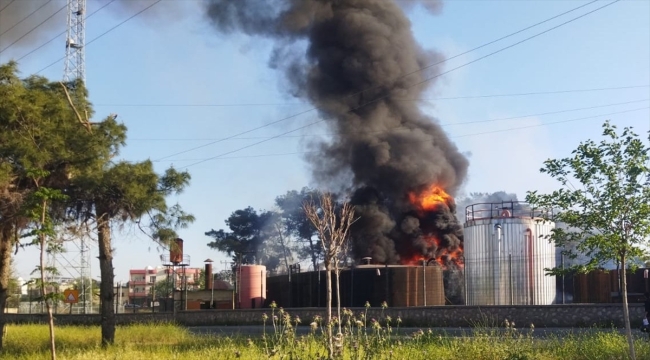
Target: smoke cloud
pixel 26 24
pixel 490 204
pixel 354 68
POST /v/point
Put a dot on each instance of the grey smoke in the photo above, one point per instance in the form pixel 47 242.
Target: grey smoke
pixel 480 202
pixel 13 27
pixel 349 58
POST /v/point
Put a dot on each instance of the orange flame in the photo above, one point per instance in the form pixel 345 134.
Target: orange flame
pixel 430 198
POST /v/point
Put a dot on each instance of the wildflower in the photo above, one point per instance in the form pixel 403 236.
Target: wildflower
pixel 399 320
pixel 297 320
pixel 265 317
pixel 388 319
pixel 384 305
pixel 237 353
pixel 506 323
pixel 366 305
pixel 359 323
pixel 313 325
pixel 273 305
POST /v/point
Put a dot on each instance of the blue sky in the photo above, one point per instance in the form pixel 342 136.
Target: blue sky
pixel 170 56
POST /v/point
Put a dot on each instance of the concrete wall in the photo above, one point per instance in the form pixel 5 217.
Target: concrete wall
pixel 574 315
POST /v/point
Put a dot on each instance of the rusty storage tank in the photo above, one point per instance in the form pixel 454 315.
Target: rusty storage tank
pixel 251 286
pixel 417 286
pixel 176 252
pixel 398 285
pixel 593 287
pixel 505 257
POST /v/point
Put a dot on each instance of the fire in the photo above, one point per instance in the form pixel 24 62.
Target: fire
pixel 444 256
pixel 427 201
pixel 431 198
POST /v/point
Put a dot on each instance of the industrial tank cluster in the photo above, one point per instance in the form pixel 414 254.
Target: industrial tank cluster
pixel 505 260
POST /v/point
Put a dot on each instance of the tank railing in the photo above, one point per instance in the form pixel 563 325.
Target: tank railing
pixel 166 260
pixel 504 209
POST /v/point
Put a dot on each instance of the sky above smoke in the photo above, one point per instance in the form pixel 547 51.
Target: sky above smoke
pixel 357 61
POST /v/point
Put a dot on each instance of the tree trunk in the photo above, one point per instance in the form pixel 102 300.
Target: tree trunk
pixel 106 286
pixel 338 296
pixel 328 283
pixel 6 243
pixel 43 265
pixel 626 310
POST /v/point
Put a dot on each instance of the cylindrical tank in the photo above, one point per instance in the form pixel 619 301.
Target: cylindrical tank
pixel 505 259
pixel 417 286
pixel 176 252
pixel 251 286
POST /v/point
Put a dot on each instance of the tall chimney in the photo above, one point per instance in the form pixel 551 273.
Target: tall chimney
pixel 209 281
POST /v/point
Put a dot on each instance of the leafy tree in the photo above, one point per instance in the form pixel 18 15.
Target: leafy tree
pixel 126 192
pixel 38 210
pixel 608 216
pixel 14 292
pixel 163 288
pixel 298 225
pixel 248 240
pixel 200 283
pixel 224 275
pixel 333 224
pixel 42 139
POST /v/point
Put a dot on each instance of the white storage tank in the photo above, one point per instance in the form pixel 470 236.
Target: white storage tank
pixel 505 257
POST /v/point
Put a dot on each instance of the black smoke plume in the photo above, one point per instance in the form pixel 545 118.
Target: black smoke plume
pixel 356 61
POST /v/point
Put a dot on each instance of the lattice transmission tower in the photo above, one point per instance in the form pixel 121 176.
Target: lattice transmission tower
pixel 75 260
pixel 75 42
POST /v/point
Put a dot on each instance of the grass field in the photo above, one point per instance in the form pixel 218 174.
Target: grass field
pixel 165 341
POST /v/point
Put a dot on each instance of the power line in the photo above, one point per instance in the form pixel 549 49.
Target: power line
pixel 62 33
pixel 479 47
pixel 25 18
pixel 6 6
pixel 106 32
pixel 34 28
pixel 302 127
pixel 552 123
pixel 421 99
pixel 123 22
pixel 385 96
pixel 443 125
pixel 434 64
pixel 453 137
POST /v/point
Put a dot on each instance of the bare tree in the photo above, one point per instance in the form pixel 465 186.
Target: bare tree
pixel 332 223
